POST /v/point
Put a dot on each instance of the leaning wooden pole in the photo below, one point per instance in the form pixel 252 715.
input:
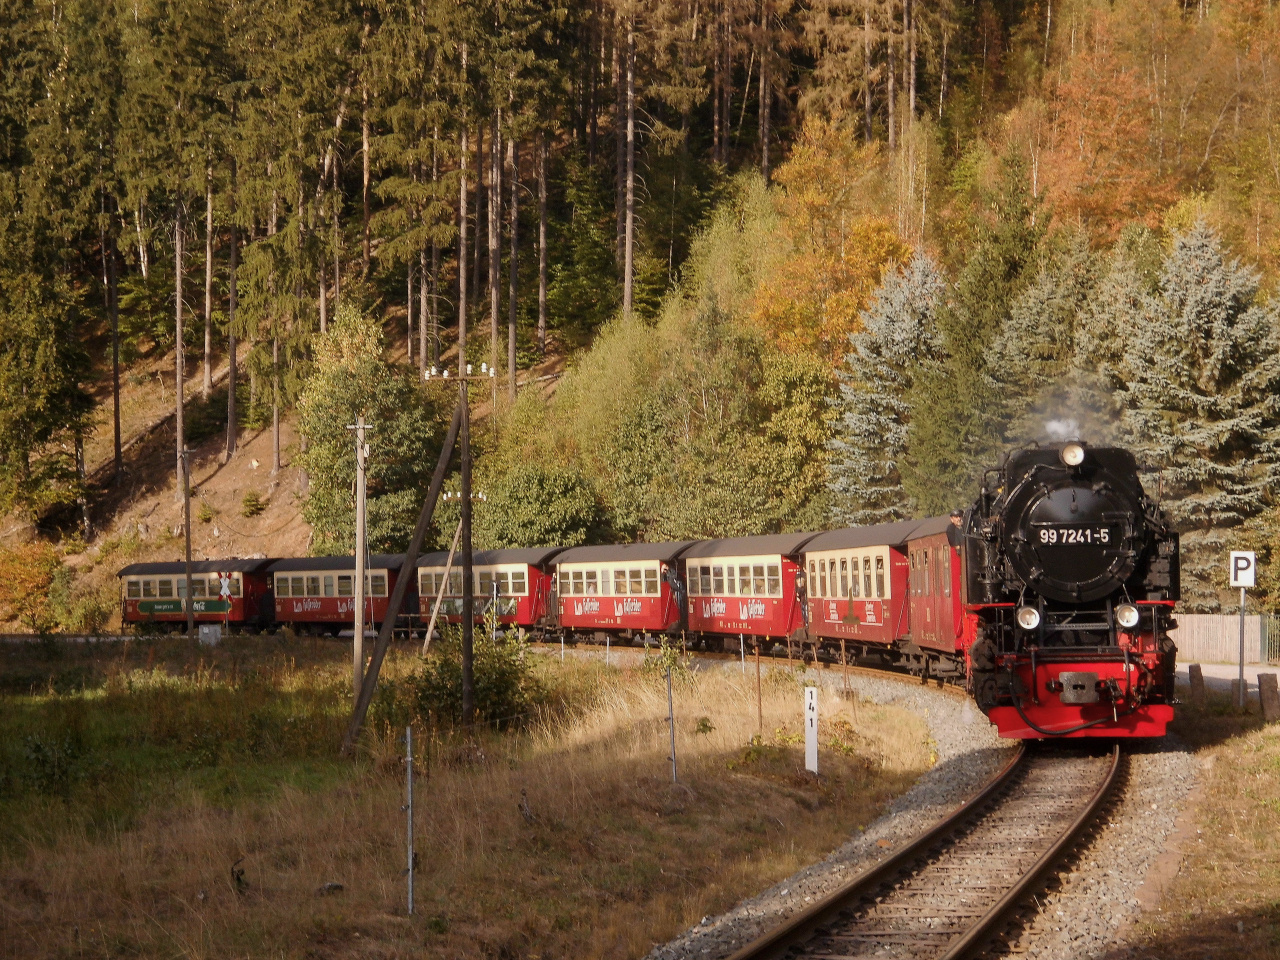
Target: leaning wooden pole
pixel 396 602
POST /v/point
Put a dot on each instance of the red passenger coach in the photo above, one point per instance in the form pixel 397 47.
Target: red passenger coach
pixel 320 591
pixel 520 580
pixel 631 589
pixel 154 592
pixel 746 587
pixel 857 584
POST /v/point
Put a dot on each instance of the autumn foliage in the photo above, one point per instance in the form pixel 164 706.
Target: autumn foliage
pixel 26 576
pixel 839 248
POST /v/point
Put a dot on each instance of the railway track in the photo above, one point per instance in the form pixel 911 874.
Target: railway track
pixel 947 891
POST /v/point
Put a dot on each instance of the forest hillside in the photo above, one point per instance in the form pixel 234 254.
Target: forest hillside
pixel 740 266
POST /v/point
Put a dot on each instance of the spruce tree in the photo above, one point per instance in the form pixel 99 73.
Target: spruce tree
pixel 897 343
pixel 1201 404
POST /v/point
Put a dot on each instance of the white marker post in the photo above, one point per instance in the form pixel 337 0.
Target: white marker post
pixel 1244 566
pixel 811 729
pixel 224 591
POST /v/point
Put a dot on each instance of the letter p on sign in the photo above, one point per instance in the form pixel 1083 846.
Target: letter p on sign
pixel 1244 566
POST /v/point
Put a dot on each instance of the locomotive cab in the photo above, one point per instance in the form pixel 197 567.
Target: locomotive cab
pixel 1071 578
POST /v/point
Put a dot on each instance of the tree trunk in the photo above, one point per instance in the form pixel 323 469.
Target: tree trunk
pixel 275 405
pixel 113 311
pixel 86 524
pixel 542 245
pixel 765 98
pixel 495 237
pixel 179 360
pixel 426 307
pixel 891 93
pixel 715 91
pixel 324 300
pixel 337 239
pixel 206 385
pixel 475 260
pixel 364 193
pixel 909 16
pixel 233 263
pixel 513 273
pixel 593 94
pixel 866 69
pixel 620 139
pixel 408 312
pixel 462 243
pixel 628 269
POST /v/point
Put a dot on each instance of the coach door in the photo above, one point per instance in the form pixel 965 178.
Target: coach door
pixel 932 589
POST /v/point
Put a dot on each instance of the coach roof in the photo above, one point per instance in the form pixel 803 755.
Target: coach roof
pixel 167 568
pixel 894 534
pixel 784 544
pixel 624 552
pixel 378 561
pixel 534 556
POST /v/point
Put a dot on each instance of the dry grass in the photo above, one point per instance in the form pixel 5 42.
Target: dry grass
pixel 612 857
pixel 1225 901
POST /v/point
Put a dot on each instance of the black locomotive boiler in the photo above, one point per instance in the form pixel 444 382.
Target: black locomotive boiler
pixel 1071 578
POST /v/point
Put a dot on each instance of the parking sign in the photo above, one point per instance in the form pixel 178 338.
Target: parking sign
pixel 1244 565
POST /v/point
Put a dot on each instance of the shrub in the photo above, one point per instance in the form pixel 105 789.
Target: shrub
pixel 26 574
pixel 506 691
pixel 252 504
pixel 207 513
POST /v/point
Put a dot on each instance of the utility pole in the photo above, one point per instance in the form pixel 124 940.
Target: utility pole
pixel 186 527
pixel 357 648
pixel 468 574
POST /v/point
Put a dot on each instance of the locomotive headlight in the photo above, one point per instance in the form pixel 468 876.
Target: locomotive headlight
pixel 1127 615
pixel 1072 454
pixel 1028 618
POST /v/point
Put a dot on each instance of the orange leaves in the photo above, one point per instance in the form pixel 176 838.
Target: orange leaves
pixel 26 574
pixel 839 246
pixel 813 300
pixel 1102 166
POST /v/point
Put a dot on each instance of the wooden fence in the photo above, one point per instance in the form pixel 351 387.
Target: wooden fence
pixel 1215 638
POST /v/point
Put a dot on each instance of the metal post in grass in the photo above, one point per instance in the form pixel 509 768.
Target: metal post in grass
pixel 844 665
pixel 671 721
pixel 607 639
pixel 186 530
pixel 408 776
pixel 742 648
pixel 759 698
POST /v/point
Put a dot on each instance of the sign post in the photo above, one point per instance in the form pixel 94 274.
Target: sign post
pixel 1244 565
pixel 811 729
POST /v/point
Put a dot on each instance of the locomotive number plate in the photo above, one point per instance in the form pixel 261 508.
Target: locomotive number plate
pixel 1072 535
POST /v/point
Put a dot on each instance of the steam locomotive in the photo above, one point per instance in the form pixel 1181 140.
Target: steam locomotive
pixel 1071 577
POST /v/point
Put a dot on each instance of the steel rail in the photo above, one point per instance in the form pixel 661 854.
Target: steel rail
pixel 782 941
pixel 778 941
pixel 977 934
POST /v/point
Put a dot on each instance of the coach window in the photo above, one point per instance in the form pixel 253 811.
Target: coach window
pixel 313 586
pixel 297 586
pixel 504 583
pixel 717 581
pixel 346 585
pixel 575 583
pixel 946 573
pixel 730 581
pixel 844 577
pixel 757 580
pixel 619 583
pixel 282 586
pixel 744 581
pixel 866 577
pixel 591 583
pixel 813 578
pixel 775 580
pixel 425 581
pixel 148 588
pixel 197 587
pixel 822 578
pixel 635 582
pixel 133 589
pixel 651 582
pixel 911 574
pixel 328 585
pixel 880 577
pixel 855 586
pixel 704 581
pixel 518 583
pixel 166 588
pixel 379 582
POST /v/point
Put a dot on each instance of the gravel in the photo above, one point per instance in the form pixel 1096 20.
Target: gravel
pixel 969 754
pixel 1086 913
